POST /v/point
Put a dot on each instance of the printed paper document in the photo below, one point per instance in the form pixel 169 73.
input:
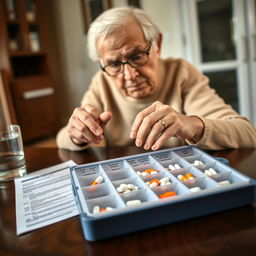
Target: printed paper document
pixel 44 197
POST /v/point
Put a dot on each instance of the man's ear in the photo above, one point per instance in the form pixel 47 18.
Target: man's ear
pixel 159 43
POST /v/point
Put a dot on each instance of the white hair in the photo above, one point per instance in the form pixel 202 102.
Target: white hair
pixel 112 20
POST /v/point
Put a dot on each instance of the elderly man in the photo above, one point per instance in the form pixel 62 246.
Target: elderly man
pixel 137 97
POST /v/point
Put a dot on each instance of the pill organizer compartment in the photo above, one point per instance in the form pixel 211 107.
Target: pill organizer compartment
pixel 114 166
pixel 198 157
pixel 104 202
pixel 135 181
pixel 179 188
pixel 120 174
pixel 87 180
pixel 96 191
pixel 230 176
pixel 192 170
pixel 203 183
pixel 144 195
pixel 85 171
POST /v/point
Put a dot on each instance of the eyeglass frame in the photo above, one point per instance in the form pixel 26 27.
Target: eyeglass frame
pixel 147 52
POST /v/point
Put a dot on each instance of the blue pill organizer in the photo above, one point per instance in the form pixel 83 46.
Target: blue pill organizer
pixel 209 197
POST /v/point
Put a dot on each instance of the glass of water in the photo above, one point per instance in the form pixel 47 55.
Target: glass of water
pixel 12 159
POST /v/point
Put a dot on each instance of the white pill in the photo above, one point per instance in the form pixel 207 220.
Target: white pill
pixel 224 182
pixel 135 188
pixel 99 179
pixel 120 189
pixel 133 202
pixel 127 191
pixel 212 171
pixel 177 166
pixel 109 208
pixel 200 162
pixel 165 179
pixel 180 176
pixel 196 162
pixel 139 173
pixel 148 183
pixel 153 184
pixel 167 183
pixel 130 186
pixel 96 209
pixel 195 189
pixel 144 174
pixel 153 172
pixel 207 172
pixel 123 185
pixel 171 167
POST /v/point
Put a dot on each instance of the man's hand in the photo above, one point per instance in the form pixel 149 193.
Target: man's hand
pixel 154 125
pixel 86 125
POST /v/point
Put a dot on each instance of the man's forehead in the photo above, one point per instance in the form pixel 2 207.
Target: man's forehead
pixel 114 50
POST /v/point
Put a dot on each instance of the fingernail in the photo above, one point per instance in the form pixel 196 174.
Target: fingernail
pixel 154 147
pixel 138 143
pixel 146 147
pixel 98 131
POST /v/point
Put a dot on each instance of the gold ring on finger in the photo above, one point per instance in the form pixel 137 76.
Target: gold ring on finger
pixel 163 123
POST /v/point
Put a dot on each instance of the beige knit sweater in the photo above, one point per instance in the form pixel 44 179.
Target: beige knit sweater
pixel 186 90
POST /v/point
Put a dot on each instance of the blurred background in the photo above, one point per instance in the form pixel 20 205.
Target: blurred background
pixel 45 68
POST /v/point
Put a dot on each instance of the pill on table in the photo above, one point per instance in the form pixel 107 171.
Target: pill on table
pixel 224 182
pixel 133 202
pixel 96 209
pixel 195 189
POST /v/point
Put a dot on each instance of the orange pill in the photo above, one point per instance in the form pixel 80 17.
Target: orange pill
pixel 167 194
pixel 156 181
pixel 189 175
pixel 102 210
pixel 150 170
pixel 94 183
pixel 184 178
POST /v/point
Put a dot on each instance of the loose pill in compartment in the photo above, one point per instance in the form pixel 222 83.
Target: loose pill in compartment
pixel 133 202
pixel 126 188
pixel 97 209
pixel 147 172
pixel 167 194
pixel 97 181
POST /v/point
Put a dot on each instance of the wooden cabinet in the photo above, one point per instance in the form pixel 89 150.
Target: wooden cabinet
pixel 24 58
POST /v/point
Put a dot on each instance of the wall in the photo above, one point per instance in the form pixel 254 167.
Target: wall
pixel 73 70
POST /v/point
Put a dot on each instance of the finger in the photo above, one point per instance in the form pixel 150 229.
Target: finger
pixel 105 118
pixel 89 121
pixel 153 135
pixel 80 133
pixel 166 134
pixel 139 118
pixel 148 124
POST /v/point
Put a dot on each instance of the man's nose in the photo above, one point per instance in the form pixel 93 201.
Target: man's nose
pixel 130 73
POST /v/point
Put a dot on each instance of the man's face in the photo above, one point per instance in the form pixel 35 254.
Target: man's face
pixel 134 82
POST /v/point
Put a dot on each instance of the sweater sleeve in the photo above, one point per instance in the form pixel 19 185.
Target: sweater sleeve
pixel 224 128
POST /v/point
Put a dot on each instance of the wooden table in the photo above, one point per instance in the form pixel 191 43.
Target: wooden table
pixel 227 233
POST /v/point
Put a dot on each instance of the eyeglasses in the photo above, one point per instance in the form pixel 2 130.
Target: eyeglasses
pixel 134 61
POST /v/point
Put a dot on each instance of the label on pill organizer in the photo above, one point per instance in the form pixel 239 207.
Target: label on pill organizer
pixel 115 166
pixel 88 171
pixel 140 161
pixel 163 156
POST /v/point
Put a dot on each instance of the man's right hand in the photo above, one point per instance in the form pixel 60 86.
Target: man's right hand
pixel 86 125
